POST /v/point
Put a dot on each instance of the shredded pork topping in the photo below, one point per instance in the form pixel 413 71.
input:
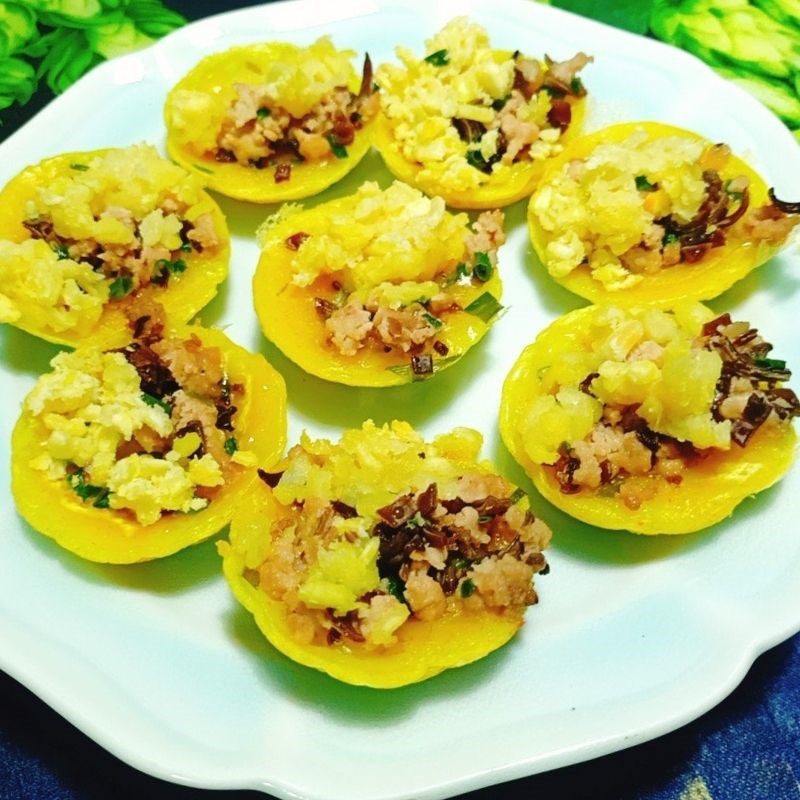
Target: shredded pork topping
pixel 259 132
pixel 145 430
pixel 749 394
pixel 386 320
pixel 383 528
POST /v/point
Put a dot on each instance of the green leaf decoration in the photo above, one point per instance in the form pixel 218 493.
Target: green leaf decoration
pixel 632 15
pixel 17 26
pixel 116 38
pixel 17 81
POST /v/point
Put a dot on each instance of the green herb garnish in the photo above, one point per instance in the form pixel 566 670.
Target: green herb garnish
pixel 338 149
pixel 120 287
pixel 769 363
pixel 484 518
pixel 467 588
pixel 434 322
pixel 173 267
pixel 262 113
pixel 644 185
pixel 576 87
pixel 483 267
pixel 79 167
pixel 395 587
pixel 438 59
pixel 231 445
pixel 60 250
pixel 203 169
pixel 475 159
pixel 499 104
pixel 517 496
pixel 186 247
pixel 485 307
pixel 461 271
pixel 669 238
pixel 87 491
pixel 155 401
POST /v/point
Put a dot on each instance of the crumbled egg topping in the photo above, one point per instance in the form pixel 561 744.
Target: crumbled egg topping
pixel 90 404
pixel 48 292
pixel 380 236
pixel 420 99
pixel 371 466
pixel 102 199
pixel 367 469
pixel 643 357
pixel 291 77
pixel 593 211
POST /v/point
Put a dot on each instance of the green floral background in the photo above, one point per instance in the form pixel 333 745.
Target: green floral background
pixel 46 45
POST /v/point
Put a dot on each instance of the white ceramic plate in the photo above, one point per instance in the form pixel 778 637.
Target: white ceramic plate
pixel 633 636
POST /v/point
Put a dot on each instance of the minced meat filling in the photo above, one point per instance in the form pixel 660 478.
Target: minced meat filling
pixel 512 133
pixel 259 133
pixel 635 207
pixel 669 241
pixel 479 548
pixel 187 379
pixel 622 445
pixel 145 259
pixel 353 321
pixel 146 430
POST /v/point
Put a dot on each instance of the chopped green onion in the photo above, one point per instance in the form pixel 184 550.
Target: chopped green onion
pixel 203 169
pixel 644 185
pixel 576 86
pixel 102 499
pixel 485 307
pixel 186 247
pixel 438 59
pixel 173 267
pixel 155 401
pixel 395 586
pixel 499 104
pixel 769 363
pixel 120 287
pixel 231 445
pixel 517 496
pixel 475 159
pixel 670 238
pixel 87 491
pixel 79 167
pixel 483 267
pixel 461 271
pixel 459 562
pixel 60 250
pixel 262 113
pixel 434 322
pixel 484 518
pixel 338 149
pixel 553 92
pixel 467 588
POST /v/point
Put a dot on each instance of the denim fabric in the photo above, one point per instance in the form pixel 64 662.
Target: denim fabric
pixel 747 748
